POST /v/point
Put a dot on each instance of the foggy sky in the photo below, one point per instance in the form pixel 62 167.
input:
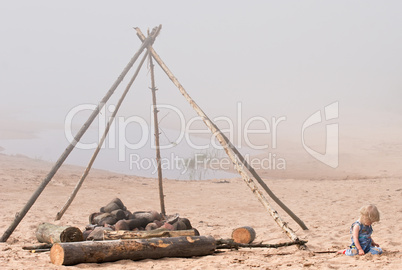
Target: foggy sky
pixel 278 58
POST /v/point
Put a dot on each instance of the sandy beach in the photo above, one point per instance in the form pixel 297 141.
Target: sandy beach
pixel 215 207
pixel 308 92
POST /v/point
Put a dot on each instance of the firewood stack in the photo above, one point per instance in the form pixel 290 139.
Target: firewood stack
pixel 116 217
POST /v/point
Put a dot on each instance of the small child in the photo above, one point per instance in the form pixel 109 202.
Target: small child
pixel 361 231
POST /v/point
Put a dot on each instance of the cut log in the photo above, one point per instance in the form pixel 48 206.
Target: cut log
pixel 150 226
pixel 186 222
pixel 119 214
pixel 96 218
pixel 131 224
pixel 149 215
pixel 243 235
pixel 119 203
pixel 179 226
pixel 110 207
pixel 97 233
pixel 114 250
pixel 111 220
pixel 114 235
pixel 50 233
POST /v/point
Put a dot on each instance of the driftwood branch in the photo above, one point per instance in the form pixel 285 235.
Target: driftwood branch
pixel 156 127
pixel 98 148
pixel 43 246
pixel 230 244
pixel 325 251
pixel 40 250
pixel 21 214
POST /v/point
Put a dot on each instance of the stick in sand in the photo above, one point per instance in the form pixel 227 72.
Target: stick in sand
pixel 156 126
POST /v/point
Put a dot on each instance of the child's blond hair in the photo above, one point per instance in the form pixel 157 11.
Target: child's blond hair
pixel 369 213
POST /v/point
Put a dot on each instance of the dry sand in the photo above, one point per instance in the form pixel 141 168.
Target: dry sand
pixel 215 207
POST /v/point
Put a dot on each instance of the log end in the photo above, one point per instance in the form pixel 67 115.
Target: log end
pixel 71 234
pixel 243 235
pixel 57 254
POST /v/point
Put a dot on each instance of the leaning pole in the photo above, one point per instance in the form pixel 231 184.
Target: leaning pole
pixel 232 152
pixel 21 214
pixel 98 148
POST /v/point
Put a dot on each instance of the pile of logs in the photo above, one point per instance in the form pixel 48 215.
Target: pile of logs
pixel 138 235
pixel 135 236
pixel 116 217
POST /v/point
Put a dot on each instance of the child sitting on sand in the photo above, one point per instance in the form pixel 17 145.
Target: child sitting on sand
pixel 361 231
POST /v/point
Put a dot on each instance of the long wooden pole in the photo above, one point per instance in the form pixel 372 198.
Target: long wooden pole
pixel 221 138
pixel 156 127
pixel 98 148
pixel 21 214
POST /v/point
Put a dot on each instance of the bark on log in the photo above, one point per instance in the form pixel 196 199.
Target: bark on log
pixel 114 235
pixel 119 214
pixel 97 233
pixel 149 215
pixel 243 235
pixel 110 207
pixel 50 233
pixel 119 203
pixel 131 224
pixel 114 250
pixel 96 218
